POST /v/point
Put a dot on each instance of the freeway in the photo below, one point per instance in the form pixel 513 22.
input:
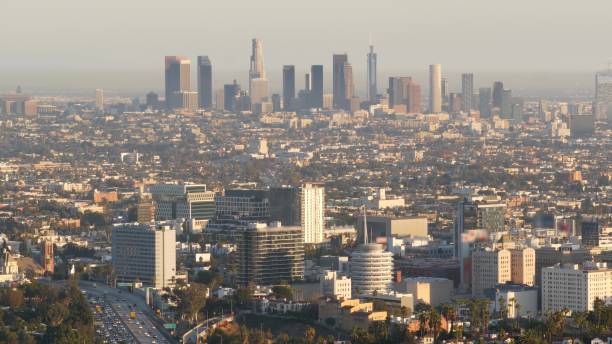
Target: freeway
pixel 146 328
pixel 191 337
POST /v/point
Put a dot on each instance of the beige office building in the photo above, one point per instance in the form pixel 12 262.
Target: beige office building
pixel 429 290
pixel 523 265
pixel 575 287
pixel 489 267
pixel 259 90
pixel 145 253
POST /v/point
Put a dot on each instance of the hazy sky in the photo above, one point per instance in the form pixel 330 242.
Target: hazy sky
pixel 120 44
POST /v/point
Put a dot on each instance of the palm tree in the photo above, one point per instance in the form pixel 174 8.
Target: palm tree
pixel 580 319
pixel 423 319
pixel 503 311
pixel 483 305
pixel 555 324
pixel 450 313
pixel 435 323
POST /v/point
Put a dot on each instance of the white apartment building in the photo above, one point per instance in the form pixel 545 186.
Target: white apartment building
pixel 575 287
pixel 144 252
pixel 371 269
pixel 312 212
pixel 517 300
pixel 334 285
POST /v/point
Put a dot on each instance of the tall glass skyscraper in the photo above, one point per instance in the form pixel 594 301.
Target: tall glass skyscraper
pixel 467 91
pixel 177 80
pixel 603 95
pixel 204 82
pixel 288 87
pixel 372 85
pixel 316 86
pixel 339 86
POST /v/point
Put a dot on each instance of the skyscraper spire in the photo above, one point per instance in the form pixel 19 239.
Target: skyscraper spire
pixel 256 70
pixel 372 85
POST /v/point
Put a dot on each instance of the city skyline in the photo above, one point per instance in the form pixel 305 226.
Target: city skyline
pixel 530 47
pixel 269 171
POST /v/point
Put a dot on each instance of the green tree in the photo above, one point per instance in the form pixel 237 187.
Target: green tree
pixel 57 313
pixel 282 292
pixel 191 300
pixel 13 298
pixel 310 333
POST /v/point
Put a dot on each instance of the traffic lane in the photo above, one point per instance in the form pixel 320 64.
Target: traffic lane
pixel 133 299
pixel 108 324
pixel 141 327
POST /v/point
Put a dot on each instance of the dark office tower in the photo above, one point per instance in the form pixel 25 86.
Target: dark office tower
pixel 316 86
pixel 288 87
pixel 590 232
pixel 582 125
pixel 307 82
pixel 285 205
pixel 152 100
pixel 603 96
pixel 394 91
pixel 467 91
pixel 498 89
pixel 276 102
pixel 205 94
pixel 484 98
pixel 517 109
pixel 372 85
pixel 404 92
pixel 505 108
pixel 454 102
pixel 231 94
pixel 339 86
pixel 176 80
pixel 444 90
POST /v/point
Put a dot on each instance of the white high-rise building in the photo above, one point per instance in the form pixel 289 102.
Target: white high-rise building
pixel 575 287
pixel 371 269
pixel 145 253
pixel 256 70
pixel 99 99
pixel 435 88
pixel 312 212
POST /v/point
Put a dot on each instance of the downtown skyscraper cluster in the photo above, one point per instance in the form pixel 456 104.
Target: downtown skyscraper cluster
pixel 403 95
